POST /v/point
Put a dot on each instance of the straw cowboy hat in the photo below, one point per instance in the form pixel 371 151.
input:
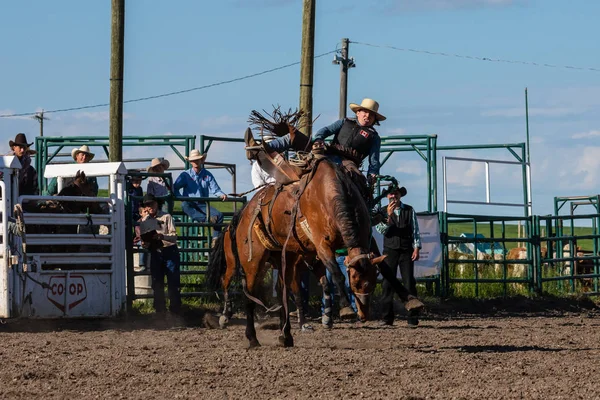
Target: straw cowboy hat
pixel 21 140
pixel 196 156
pixel 156 162
pixel 368 104
pixel 83 149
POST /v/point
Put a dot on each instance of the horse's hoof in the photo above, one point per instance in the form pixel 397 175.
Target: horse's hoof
pixel 223 321
pixel 210 321
pixel 253 344
pixel 414 304
pixel 347 313
pixel 286 341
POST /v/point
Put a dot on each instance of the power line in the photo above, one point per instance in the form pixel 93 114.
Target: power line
pixel 437 53
pixel 167 94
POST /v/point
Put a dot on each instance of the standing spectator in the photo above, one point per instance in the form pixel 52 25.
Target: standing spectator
pixel 198 182
pixel 401 244
pixel 159 236
pixel 28 180
pixel 81 155
pixel 157 186
pixel 135 190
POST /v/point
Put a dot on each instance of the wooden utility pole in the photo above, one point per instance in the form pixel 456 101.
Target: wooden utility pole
pixel 117 36
pixel 345 63
pixel 39 117
pixel 307 64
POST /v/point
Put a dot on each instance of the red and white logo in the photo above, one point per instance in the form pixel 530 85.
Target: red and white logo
pixel 364 134
pixel 72 293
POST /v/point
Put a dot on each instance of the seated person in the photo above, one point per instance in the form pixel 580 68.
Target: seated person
pixel 81 155
pixel 198 182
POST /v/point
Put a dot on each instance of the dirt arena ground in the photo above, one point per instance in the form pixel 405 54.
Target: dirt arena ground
pixel 534 350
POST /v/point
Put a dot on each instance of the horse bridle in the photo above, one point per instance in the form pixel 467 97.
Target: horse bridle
pixel 354 259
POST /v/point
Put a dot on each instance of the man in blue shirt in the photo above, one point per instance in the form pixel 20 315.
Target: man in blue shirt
pixel 198 182
pixel 357 134
pixel 401 244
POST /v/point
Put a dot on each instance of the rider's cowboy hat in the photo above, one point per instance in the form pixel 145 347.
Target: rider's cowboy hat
pixel 368 104
pixel 156 162
pixel 83 149
pixel 21 140
pixel 196 156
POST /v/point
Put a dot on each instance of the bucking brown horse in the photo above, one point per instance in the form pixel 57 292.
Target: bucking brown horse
pixel 311 218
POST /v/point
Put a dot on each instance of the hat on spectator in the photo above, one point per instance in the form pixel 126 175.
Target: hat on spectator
pixel 148 198
pixel 156 162
pixel 21 140
pixel 195 155
pixel 83 149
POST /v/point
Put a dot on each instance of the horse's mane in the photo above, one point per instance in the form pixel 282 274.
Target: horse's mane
pixel 346 208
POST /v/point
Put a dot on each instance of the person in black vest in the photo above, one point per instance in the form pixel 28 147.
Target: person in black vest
pixel 28 179
pixel 401 244
pixel 357 134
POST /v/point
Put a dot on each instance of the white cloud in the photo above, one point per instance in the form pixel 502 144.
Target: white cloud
pixel 412 167
pixel 584 135
pixel 97 116
pixel 396 131
pixel 463 176
pixel 534 112
pixel 8 111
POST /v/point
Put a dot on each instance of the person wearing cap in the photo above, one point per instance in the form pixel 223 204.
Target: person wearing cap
pixel 28 180
pixel 157 185
pixel 81 155
pixel 159 236
pixel 358 134
pixel 401 244
pixel 198 182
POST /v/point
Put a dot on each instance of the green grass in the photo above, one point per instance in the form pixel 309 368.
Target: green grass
pixel 511 231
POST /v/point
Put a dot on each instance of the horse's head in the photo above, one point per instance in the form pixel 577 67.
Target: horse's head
pixel 362 274
pixel 80 186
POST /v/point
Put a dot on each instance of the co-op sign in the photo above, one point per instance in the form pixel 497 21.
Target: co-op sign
pixel 66 294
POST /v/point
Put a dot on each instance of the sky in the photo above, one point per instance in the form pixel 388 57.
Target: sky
pixel 56 55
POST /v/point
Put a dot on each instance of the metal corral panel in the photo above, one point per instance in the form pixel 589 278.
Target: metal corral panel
pixel 68 294
pixel 90 169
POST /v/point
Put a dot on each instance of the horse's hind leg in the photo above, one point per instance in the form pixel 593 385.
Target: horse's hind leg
pixel 226 282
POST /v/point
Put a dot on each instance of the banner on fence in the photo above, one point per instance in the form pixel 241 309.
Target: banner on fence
pixel 430 260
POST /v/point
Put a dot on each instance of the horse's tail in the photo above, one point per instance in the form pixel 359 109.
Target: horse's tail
pixel 217 265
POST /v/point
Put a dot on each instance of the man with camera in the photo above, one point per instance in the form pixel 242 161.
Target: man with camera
pixel 159 236
pixel 401 244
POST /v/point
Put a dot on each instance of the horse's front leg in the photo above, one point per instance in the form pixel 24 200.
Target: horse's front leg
pixel 250 330
pixel 327 257
pixel 285 324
